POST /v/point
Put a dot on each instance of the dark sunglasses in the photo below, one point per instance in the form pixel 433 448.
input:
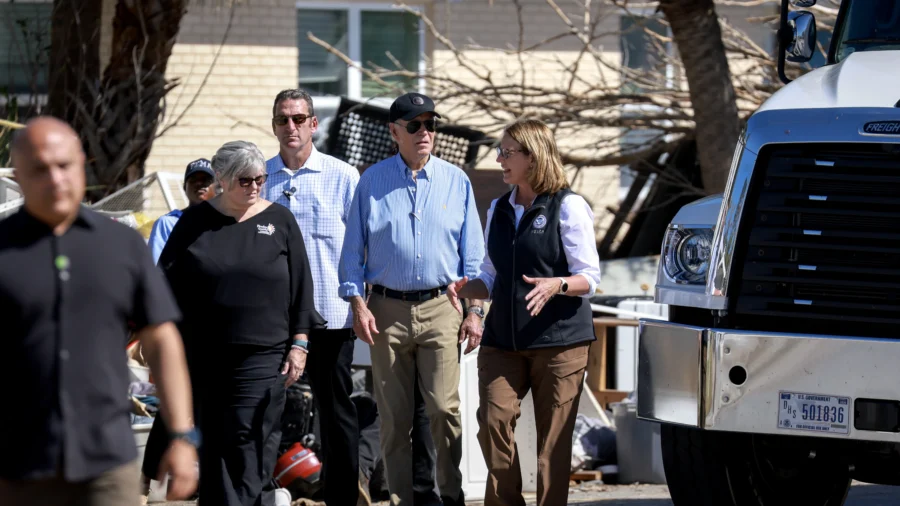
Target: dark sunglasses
pixel 245 182
pixel 298 119
pixel 414 125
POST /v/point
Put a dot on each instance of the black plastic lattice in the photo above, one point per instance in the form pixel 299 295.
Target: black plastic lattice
pixel 359 135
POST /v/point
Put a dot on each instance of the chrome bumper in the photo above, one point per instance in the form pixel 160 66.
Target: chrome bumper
pixel 683 376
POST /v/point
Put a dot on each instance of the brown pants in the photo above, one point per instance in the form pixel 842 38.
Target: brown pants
pixel 417 339
pixel 116 487
pixel 555 377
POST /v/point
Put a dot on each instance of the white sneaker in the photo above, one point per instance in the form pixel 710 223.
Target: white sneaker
pixel 282 497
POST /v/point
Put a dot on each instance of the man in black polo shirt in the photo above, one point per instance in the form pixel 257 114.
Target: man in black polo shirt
pixel 72 282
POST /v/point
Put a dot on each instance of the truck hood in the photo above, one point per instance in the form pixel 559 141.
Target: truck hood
pixel 864 79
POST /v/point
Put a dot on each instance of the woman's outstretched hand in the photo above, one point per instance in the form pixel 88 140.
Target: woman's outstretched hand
pixel 453 290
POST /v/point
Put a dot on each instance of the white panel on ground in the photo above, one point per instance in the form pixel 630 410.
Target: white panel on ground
pixel 626 342
pixel 474 471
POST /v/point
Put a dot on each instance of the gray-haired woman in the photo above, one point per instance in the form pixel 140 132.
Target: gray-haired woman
pixel 238 267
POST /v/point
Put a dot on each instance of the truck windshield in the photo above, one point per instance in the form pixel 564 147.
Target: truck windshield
pixel 869 25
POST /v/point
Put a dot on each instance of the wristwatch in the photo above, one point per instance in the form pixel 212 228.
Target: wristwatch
pixel 476 310
pixel 563 286
pixel 191 437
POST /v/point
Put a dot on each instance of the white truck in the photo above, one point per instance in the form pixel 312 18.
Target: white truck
pixel 777 376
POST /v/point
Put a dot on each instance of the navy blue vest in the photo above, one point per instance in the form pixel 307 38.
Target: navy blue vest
pixel 534 250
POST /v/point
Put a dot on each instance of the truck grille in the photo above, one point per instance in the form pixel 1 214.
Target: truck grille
pixel 819 245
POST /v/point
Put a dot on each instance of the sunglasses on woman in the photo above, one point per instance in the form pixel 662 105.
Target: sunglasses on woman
pixel 298 119
pixel 245 182
pixel 414 125
pixel 506 153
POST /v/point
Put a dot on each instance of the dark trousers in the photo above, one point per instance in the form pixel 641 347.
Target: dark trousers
pixel 328 369
pixel 424 482
pixel 240 393
pixel 424 454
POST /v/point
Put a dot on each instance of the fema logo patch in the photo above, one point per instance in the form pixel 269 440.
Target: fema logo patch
pixel 540 222
pixel 265 229
pixel 418 100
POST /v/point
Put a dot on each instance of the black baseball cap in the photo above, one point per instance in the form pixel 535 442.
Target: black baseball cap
pixel 408 106
pixel 202 165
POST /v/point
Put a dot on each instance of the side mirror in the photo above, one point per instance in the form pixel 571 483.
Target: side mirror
pixel 803 45
pixel 803 3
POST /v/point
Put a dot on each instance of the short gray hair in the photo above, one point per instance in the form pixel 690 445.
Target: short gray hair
pixel 293 94
pixel 238 159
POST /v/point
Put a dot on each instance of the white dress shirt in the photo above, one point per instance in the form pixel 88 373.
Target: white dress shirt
pixel 576 223
pixel 319 195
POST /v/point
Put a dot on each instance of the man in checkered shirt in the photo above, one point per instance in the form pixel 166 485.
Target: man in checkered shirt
pixel 318 189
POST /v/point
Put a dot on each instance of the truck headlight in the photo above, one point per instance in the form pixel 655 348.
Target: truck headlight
pixel 686 254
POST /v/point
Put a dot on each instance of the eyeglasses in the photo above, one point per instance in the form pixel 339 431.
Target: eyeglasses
pixel 506 153
pixel 298 119
pixel 245 182
pixel 414 125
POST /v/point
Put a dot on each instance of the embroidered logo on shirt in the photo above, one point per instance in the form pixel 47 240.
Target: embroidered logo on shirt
pixel 540 221
pixel 266 229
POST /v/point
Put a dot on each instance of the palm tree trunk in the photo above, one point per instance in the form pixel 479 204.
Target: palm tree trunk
pixel 695 27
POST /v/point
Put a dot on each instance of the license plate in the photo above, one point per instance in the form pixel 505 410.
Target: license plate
pixel 814 412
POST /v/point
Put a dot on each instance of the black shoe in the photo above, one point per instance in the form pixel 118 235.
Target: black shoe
pixel 429 499
pixel 364 498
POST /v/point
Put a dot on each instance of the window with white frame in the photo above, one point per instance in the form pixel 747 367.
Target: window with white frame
pixel 371 34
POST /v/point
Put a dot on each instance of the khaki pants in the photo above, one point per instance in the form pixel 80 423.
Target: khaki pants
pixel 116 487
pixel 555 377
pixel 417 338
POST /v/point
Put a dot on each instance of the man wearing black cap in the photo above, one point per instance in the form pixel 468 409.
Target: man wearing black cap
pixel 413 228
pixel 198 180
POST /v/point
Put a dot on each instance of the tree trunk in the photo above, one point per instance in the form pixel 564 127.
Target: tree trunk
pixel 130 104
pixel 696 30
pixel 74 58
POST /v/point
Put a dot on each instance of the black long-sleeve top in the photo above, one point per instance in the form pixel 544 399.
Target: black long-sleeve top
pixel 243 282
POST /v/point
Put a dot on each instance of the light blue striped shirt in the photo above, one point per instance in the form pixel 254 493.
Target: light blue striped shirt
pixel 320 201
pixel 408 234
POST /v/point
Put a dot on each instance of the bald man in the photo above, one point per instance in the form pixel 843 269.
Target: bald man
pixel 72 283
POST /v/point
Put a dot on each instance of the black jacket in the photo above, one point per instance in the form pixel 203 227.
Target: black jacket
pixel 535 250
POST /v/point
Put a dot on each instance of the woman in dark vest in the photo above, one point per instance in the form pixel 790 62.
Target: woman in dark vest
pixel 540 266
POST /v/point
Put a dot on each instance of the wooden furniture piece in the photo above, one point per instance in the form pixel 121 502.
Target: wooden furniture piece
pixel 597 360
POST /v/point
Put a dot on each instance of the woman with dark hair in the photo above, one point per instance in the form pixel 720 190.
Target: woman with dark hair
pixel 540 266
pixel 238 267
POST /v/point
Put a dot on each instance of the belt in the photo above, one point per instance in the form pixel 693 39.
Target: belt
pixel 414 296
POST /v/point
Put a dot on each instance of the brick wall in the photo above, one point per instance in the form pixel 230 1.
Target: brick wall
pixel 258 60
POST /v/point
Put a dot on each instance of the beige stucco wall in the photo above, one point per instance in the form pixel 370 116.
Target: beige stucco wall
pixel 258 59
pixel 483 29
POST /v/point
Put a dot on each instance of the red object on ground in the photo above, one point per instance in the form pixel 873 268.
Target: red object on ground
pixel 298 463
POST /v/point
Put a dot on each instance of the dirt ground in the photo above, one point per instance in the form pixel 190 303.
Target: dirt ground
pixel 598 494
